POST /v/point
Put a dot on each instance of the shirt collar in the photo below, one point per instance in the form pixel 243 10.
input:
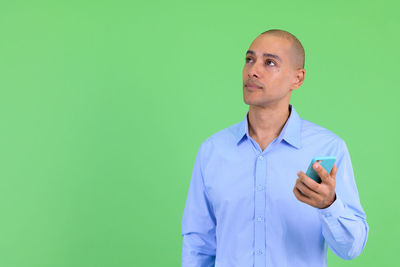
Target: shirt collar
pixel 291 131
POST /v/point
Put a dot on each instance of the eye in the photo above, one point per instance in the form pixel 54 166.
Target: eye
pixel 247 58
pixel 268 61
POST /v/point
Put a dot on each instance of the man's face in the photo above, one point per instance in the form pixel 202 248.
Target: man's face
pixel 269 66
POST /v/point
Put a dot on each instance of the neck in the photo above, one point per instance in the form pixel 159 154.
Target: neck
pixel 267 122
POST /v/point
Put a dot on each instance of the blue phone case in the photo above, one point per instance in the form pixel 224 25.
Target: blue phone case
pixel 326 162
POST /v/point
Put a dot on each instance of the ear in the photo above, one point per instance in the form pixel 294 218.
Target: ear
pixel 298 78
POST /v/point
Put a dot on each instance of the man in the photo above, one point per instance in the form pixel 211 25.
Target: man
pixel 249 202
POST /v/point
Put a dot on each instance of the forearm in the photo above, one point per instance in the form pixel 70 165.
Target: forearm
pixel 344 229
pixel 197 251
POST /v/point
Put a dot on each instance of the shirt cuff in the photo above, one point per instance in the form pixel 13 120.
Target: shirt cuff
pixel 334 210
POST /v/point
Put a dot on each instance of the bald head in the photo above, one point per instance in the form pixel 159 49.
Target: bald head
pixel 297 49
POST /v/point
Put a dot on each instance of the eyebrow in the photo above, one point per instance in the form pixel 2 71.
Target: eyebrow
pixel 265 54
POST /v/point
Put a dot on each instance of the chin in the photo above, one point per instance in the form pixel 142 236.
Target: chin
pixel 252 102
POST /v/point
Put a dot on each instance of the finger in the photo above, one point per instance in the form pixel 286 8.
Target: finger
pixel 321 172
pixel 333 171
pixel 309 182
pixel 306 191
pixel 301 197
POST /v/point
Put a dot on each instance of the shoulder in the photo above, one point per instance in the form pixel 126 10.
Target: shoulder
pixel 223 138
pixel 315 135
pixel 313 130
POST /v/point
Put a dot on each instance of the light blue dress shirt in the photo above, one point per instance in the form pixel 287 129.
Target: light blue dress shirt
pixel 241 211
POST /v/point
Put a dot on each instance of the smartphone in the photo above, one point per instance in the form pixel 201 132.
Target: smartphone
pixel 326 162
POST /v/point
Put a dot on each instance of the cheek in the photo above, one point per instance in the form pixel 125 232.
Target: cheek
pixel 244 71
pixel 273 77
pixel 280 77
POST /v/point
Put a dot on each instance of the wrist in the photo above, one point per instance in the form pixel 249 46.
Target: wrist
pixel 331 202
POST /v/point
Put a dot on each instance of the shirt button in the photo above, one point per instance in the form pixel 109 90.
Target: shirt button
pixel 259 252
pixel 260 187
pixel 259 218
pixel 261 157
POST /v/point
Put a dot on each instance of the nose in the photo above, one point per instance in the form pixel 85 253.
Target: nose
pixel 254 71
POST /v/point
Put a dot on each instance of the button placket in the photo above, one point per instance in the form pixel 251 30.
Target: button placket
pixel 259 212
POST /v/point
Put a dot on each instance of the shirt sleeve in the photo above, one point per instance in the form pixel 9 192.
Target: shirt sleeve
pixel 198 222
pixel 344 224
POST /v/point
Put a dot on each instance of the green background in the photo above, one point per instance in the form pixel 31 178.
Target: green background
pixel 104 104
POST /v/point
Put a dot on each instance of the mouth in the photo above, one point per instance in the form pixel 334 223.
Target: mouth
pixel 252 87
